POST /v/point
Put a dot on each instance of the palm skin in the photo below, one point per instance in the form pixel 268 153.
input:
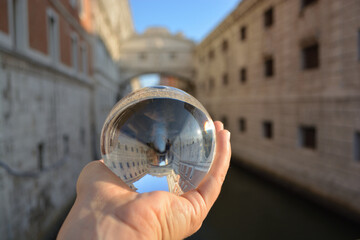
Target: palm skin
pixel 106 208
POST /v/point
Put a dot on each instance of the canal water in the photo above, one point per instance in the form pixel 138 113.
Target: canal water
pixel 250 208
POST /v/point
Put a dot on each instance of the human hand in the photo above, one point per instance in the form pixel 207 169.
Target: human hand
pixel 106 208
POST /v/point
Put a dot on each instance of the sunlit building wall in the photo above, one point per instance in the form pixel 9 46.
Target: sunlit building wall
pixel 284 78
pixel 105 88
pixel 111 21
pixel 45 85
pixel 54 97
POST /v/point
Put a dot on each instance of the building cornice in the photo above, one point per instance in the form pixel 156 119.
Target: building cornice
pixel 60 69
pixel 242 9
pixel 163 36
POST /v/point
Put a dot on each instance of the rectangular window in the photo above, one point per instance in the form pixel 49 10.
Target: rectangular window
pixel 5 6
pixel 225 79
pixel 66 145
pixel 242 125
pixel 142 56
pixel 243 33
pixel 211 54
pixel 74 51
pixel 357 146
pixel 269 67
pixel 173 55
pixel 84 58
pixel 211 83
pixel 359 45
pixel 243 75
pixel 305 3
pixel 41 156
pixel 53 35
pixel 310 56
pixel 269 17
pixel 268 129
pixel 308 137
pixel 225 45
pixel 82 136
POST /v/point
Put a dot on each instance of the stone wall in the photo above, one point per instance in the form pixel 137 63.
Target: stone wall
pixel 45 140
pixel 325 97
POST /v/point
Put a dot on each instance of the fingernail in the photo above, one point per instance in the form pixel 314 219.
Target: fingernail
pixel 228 135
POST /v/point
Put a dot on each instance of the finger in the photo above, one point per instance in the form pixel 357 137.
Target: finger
pixel 95 175
pixel 218 126
pixel 209 188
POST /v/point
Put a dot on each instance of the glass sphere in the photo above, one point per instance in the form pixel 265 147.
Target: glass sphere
pixel 159 138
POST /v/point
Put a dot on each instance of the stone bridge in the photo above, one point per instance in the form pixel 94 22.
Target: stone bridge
pixel 156 51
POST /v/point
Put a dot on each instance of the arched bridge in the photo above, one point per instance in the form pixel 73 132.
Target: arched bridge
pixel 156 51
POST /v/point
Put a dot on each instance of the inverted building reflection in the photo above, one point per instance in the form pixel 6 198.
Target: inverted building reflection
pixel 159 139
pixel 132 160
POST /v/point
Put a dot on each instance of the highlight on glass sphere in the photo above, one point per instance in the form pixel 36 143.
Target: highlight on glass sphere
pixel 159 138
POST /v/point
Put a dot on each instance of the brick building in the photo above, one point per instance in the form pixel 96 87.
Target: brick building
pixel 49 84
pixel 284 77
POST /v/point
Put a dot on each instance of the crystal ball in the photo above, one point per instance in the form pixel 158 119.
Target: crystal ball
pixel 159 138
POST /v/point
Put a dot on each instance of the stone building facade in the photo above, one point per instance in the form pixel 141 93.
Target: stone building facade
pixel 284 77
pixel 52 105
pixel 105 88
pixel 112 21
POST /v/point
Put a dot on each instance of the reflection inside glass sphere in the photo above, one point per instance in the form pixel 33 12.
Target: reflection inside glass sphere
pixel 159 138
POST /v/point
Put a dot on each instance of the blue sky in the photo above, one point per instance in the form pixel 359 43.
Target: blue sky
pixel 195 18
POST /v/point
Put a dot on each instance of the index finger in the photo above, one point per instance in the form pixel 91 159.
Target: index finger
pixel 209 189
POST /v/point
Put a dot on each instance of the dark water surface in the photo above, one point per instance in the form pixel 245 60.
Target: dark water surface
pixel 250 207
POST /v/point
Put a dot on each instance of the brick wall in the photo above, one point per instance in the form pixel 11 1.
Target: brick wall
pixel 37 25
pixel 4 23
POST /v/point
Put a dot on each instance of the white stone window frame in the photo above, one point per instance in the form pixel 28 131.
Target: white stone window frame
pixel 53 47
pixel 84 53
pixel 75 52
pixel 6 38
pixel 21 28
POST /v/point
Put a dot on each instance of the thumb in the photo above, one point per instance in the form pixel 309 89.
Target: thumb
pixel 94 176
